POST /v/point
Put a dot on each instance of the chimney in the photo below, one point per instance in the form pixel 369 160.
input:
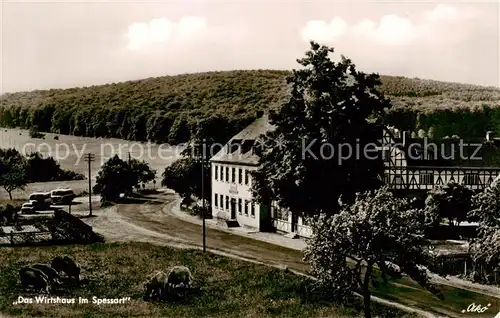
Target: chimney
pixel 259 113
pixel 489 136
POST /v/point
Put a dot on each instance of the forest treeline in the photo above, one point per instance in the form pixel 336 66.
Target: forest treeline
pixel 170 109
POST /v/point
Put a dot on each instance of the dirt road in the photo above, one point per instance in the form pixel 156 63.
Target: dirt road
pixel 149 222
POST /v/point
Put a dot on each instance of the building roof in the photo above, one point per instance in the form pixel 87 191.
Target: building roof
pixel 449 153
pixel 244 143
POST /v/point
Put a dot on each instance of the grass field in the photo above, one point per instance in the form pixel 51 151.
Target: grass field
pixel 69 149
pixel 231 288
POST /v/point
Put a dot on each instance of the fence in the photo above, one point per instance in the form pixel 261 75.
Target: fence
pixel 463 265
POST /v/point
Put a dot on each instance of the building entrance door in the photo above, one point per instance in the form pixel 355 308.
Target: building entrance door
pixel 233 208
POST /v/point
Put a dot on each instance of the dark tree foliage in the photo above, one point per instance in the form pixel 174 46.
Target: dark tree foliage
pixel 35 133
pixel 184 177
pixel 485 249
pixel 163 109
pixel 207 138
pixel 144 174
pixel 12 170
pixel 40 169
pixel 114 178
pixel 330 104
pixel 452 202
pixel 377 238
pixel 17 170
pixel 118 176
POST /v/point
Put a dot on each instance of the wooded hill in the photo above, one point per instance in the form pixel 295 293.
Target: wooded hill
pixel 170 108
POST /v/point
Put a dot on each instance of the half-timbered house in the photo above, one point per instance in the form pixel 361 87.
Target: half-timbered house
pixel 417 165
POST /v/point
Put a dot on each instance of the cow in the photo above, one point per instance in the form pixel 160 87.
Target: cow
pixel 180 275
pixel 156 286
pixel 68 266
pixel 179 281
pixel 32 277
pixel 50 272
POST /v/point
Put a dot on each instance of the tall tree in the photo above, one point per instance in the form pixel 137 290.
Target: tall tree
pixel 485 248
pixel 333 109
pixel 118 176
pixel 12 170
pixel 184 177
pixel 142 171
pixel 114 178
pixel 378 230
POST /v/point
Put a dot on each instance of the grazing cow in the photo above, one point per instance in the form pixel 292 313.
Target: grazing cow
pixel 32 277
pixel 68 266
pixel 50 272
pixel 180 275
pixel 156 286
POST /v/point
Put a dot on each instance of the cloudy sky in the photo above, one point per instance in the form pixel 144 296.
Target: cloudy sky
pixel 61 44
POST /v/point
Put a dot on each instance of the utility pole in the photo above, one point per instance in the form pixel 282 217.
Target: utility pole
pixel 203 193
pixel 89 158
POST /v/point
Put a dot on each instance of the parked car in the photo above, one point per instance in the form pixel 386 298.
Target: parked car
pixel 62 196
pixel 40 200
pixel 28 207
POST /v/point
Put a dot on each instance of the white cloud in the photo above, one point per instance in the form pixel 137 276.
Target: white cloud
pixel 391 30
pixel 439 24
pixel 443 12
pixel 142 35
pixel 322 31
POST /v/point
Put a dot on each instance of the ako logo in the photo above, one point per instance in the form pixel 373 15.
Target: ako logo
pixel 498 315
pixel 473 308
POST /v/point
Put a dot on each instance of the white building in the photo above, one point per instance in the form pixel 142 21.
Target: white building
pixel 232 198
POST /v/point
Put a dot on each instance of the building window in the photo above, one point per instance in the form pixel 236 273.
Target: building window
pixel 215 200
pixel 387 178
pixel 233 175
pixel 252 209
pixel 227 174
pixel 227 202
pixel 246 177
pixel 216 172
pixel 221 173
pixel 426 178
pixel 386 154
pixel 240 203
pixel 221 197
pixel 240 176
pixel 471 179
pixel 398 180
pixel 246 207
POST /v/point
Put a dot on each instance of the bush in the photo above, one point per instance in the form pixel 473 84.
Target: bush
pixel 198 211
pixel 65 175
pixel 35 133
